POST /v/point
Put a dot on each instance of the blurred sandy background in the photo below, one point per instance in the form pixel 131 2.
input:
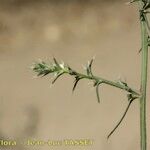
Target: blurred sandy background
pixel 73 31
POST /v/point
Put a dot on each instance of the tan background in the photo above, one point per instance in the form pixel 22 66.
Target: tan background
pixel 73 31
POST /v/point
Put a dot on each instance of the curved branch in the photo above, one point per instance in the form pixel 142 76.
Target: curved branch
pixel 124 114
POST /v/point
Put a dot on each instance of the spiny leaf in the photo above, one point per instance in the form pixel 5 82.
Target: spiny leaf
pixel 76 82
pixel 46 72
pixel 140 50
pixel 89 67
pixel 57 77
pixel 97 84
pixel 55 61
pixel 97 93
pixel 90 64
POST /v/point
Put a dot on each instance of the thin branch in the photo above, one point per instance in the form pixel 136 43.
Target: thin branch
pixel 42 69
pixel 124 114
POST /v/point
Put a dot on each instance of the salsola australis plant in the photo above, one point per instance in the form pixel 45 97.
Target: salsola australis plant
pixel 58 69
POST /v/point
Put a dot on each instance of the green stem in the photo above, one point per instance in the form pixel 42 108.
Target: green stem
pixel 44 69
pixel 144 36
pixel 108 82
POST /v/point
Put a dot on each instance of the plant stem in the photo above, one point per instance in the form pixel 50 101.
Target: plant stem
pixel 144 36
pixel 43 69
pixel 111 83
